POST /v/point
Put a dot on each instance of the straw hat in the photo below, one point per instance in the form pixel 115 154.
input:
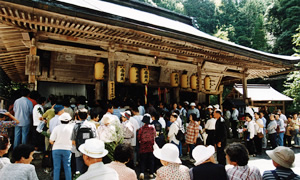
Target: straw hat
pixel 283 156
pixel 201 153
pixel 93 148
pixel 169 152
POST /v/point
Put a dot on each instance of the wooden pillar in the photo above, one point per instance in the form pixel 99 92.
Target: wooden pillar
pixel 176 94
pixel 283 107
pixel 98 90
pixel 244 82
pixel 201 97
pixel 221 88
pixel 111 74
pixel 32 68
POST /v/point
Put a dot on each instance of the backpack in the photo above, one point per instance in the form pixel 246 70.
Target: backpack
pixel 180 135
pixel 83 133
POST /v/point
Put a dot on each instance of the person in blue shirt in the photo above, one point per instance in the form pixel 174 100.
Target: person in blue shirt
pixel 23 109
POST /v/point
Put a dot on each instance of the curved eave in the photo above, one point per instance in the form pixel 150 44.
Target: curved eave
pixel 112 19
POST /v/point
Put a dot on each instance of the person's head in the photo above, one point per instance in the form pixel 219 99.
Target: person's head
pixel 272 117
pixel 217 113
pixel 106 120
pixel 261 114
pixel 125 116
pixel 169 153
pixel 237 154
pixel 23 153
pixel 256 115
pixel 173 117
pixel 290 118
pixel 295 116
pixel 282 157
pixel 4 145
pixel 175 105
pixel 65 118
pixel 276 116
pixel 59 109
pixel 193 117
pixel 154 116
pixel 146 118
pixel 203 154
pixel 93 151
pixel 248 117
pixel 193 105
pixel 25 92
pixel 82 114
pixel 135 110
pixel 123 153
pixel 110 108
pixel 41 100
pixel 279 112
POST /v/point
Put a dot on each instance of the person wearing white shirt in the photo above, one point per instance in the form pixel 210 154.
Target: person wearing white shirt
pixel 37 117
pixel 210 128
pixel 62 145
pixel 109 113
pixel 258 125
pixel 174 128
pixel 59 110
pixel 250 131
pixel 264 139
pixel 137 117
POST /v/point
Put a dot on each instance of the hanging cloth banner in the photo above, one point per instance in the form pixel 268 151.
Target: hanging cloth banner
pixel 146 93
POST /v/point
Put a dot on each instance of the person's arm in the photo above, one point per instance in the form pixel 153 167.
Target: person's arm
pixel 251 130
pixel 12 117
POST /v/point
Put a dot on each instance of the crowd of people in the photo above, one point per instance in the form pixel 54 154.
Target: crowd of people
pixel 109 140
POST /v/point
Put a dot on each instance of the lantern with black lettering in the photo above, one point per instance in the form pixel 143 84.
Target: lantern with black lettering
pixel 145 76
pixel 120 75
pixel 184 81
pixel 99 71
pixel 194 82
pixel 174 79
pixel 134 75
pixel 207 83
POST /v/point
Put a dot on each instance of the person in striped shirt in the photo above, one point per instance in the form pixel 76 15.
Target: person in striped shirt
pixel 283 159
pixel 238 156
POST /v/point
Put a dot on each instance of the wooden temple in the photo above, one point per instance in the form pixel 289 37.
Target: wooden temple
pixel 61 41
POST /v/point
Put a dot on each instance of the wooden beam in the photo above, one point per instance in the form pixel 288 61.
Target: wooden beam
pixel 244 81
pixel 71 50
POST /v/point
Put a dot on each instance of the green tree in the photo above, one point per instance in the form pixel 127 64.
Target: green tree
pixel 204 11
pixel 293 82
pixel 283 17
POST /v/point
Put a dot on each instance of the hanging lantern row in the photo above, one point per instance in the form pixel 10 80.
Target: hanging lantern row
pixel 144 77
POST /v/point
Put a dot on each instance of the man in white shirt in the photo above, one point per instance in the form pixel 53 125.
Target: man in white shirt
pixel 37 116
pixel 109 113
pixel 93 151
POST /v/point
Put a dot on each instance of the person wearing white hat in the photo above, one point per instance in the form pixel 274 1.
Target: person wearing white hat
pixel 62 145
pixel 93 151
pixel 283 159
pixel 194 110
pixel 128 128
pixel 169 158
pixel 205 167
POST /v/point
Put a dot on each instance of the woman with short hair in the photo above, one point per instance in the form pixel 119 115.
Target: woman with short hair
pixel 122 155
pixel 21 169
pixel 238 156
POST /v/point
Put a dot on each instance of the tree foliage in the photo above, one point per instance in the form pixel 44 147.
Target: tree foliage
pixel 293 82
pixel 283 16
